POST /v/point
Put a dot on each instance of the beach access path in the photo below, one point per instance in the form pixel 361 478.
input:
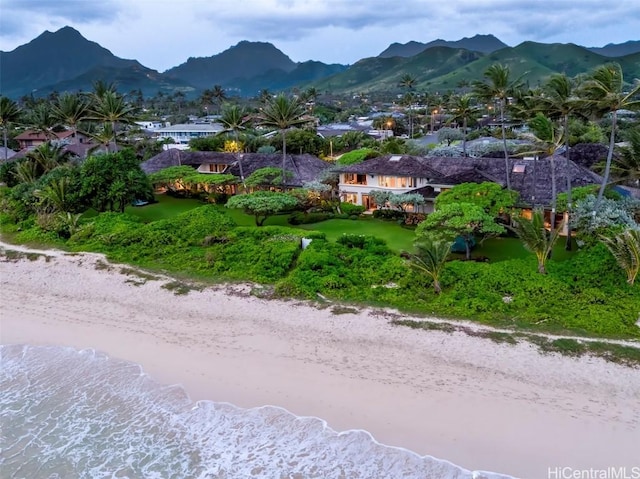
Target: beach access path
pixel 468 400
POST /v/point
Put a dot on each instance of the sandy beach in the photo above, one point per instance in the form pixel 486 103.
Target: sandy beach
pixel 478 404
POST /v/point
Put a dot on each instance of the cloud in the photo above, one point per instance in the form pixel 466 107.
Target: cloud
pixel 44 13
pixel 291 19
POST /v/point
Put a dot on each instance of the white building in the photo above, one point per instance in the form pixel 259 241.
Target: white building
pixel 182 134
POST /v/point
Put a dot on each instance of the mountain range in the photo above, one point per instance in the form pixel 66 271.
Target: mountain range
pixel 66 61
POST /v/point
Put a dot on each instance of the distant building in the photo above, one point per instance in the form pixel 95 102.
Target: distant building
pixel 182 134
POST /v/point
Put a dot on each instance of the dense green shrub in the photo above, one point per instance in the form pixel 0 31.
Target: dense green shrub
pixel 301 218
pixel 388 214
pixel 351 209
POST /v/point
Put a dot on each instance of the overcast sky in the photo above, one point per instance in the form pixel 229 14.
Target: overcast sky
pixel 165 33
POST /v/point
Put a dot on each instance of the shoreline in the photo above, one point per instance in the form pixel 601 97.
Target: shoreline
pixel 464 400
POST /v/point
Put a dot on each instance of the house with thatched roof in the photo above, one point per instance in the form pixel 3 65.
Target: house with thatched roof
pixel 531 178
pixel 303 168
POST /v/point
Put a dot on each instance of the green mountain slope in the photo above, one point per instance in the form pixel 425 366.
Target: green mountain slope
pixel 244 60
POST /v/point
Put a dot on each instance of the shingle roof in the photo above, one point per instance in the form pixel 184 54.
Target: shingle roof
pixel 305 168
pixel 533 184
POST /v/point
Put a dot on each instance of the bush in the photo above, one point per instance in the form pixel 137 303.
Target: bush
pixel 387 214
pixel 300 218
pixel 351 209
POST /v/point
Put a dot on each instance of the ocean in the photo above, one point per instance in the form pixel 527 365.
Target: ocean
pixel 67 413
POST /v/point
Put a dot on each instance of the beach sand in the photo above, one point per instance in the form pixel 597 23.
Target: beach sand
pixel 478 404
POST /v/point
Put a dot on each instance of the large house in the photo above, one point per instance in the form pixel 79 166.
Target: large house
pixel 303 168
pixel 531 178
pixel 183 133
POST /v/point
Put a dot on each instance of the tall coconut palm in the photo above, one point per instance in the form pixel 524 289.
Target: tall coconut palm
pixel 218 95
pixel 234 120
pixel 112 108
pixel 409 82
pixel 548 139
pixel 604 92
pixel 10 113
pixel 41 120
pixel 559 100
pixel 70 110
pixel 498 86
pixel 462 108
pixel 283 114
pixel 48 156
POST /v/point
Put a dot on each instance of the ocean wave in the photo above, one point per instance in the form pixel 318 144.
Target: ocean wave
pixel 79 413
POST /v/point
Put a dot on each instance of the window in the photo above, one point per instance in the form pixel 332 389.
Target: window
pixel 355 179
pixel 519 168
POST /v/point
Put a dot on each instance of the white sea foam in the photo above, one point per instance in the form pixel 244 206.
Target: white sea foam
pixel 69 413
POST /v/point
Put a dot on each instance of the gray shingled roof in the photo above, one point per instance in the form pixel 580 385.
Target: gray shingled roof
pixel 454 171
pixel 305 168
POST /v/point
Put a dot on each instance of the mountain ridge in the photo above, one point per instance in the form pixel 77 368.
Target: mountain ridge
pixel 66 61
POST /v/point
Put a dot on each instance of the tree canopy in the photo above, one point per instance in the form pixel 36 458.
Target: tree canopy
pixel 491 197
pixel 263 204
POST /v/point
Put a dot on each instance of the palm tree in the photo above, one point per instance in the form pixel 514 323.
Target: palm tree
pixel 499 86
pixel 625 248
pixel 48 156
pixel 430 258
pixel 112 108
pixel 604 93
pixel 41 120
pixel 409 82
pixel 535 237
pixel 462 108
pixel 549 139
pixel 626 166
pixel 558 100
pixel 283 114
pixel 218 94
pixel 70 110
pixel 9 113
pixel 233 120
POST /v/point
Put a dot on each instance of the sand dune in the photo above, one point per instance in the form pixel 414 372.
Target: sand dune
pixel 468 400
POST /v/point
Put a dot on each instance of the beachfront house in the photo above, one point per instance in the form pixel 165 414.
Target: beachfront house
pixel 302 168
pixel 429 176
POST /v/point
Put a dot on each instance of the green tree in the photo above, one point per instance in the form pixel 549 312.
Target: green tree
pixel 449 135
pixel 112 108
pixel 604 92
pixel 263 204
pixel 625 248
pixel 10 113
pixel 462 109
pixel 560 101
pixel 48 156
pixel 491 197
pixel 112 181
pixel 408 82
pixel 234 120
pixel 463 220
pixel 282 114
pixel 266 177
pixel 626 165
pixel 535 237
pixel 70 109
pixel 430 258
pixel 548 139
pixel 498 86
pixel 41 120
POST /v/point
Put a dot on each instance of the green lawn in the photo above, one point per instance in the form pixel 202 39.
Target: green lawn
pixel 397 237
pixel 166 207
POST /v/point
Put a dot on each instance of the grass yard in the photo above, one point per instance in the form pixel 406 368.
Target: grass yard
pixel 166 207
pixel 397 237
